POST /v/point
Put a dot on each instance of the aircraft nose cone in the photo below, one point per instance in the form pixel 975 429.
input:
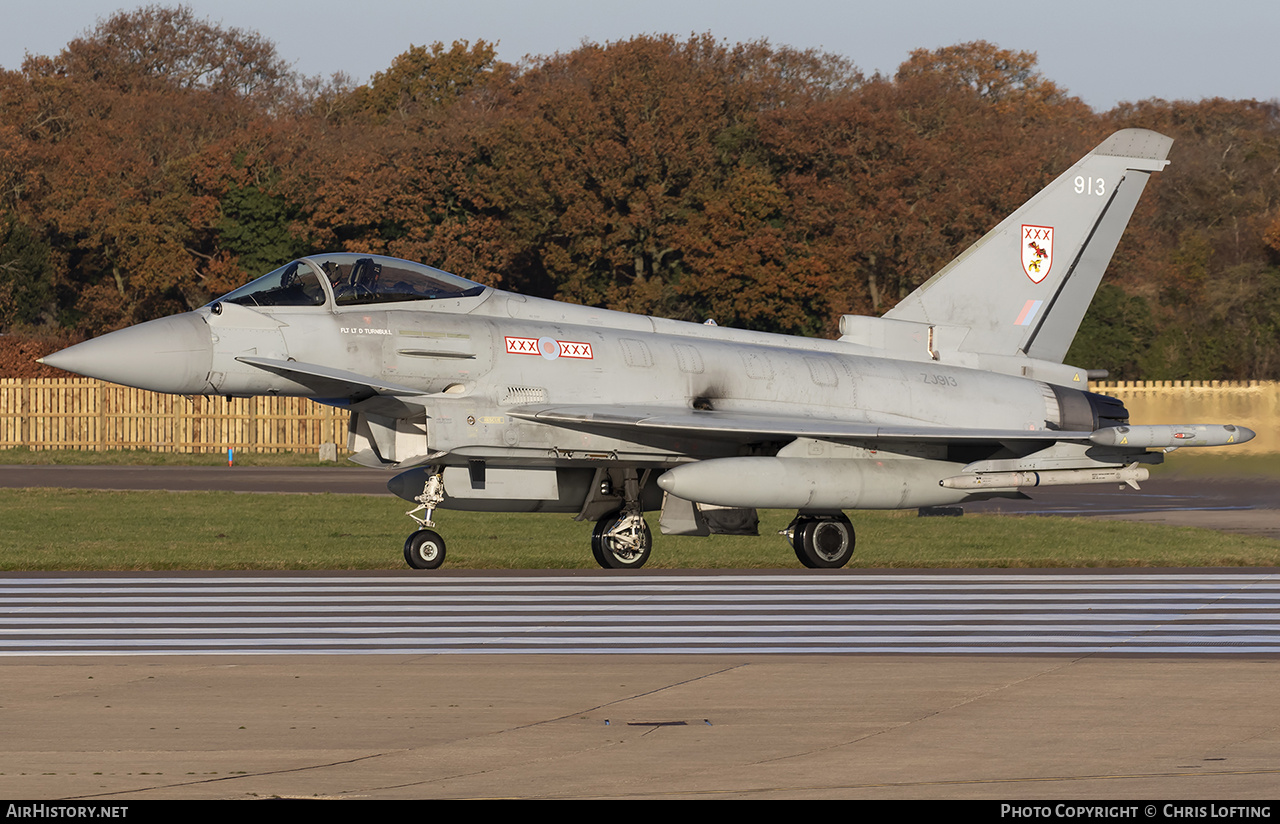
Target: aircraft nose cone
pixel 172 354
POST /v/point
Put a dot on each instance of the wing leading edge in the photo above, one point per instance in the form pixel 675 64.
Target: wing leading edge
pixel 741 426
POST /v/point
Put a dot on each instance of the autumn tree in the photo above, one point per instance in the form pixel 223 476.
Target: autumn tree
pixel 399 166
pixel 26 283
pixel 899 176
pixel 1198 252
pixel 1001 77
pixel 120 124
pixel 635 180
pixel 26 268
pixel 426 79
pixel 172 48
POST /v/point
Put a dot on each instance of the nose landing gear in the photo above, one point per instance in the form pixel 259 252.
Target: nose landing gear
pixel 424 549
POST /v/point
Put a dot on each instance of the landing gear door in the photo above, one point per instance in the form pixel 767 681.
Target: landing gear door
pixel 494 483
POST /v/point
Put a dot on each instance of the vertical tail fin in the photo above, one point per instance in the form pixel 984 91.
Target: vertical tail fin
pixel 1024 287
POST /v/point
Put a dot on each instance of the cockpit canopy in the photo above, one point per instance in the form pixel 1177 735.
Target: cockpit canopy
pixel 351 279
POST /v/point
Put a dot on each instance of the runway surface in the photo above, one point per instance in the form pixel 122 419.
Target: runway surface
pixel 349 480
pixel 1089 686
pixel 677 613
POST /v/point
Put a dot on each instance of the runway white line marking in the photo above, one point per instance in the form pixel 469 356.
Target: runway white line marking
pixel 961 613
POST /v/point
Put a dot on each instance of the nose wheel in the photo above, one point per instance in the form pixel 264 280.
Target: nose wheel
pixel 424 549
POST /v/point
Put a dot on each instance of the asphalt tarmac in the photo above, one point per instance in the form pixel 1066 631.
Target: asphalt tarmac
pixel 1075 725
pixel 641 726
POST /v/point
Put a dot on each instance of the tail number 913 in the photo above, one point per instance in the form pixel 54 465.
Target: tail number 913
pixel 1090 186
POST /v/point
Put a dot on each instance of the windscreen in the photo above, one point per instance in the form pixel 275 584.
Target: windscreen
pixel 294 284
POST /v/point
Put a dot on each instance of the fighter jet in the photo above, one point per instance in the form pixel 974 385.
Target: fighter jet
pixel 486 400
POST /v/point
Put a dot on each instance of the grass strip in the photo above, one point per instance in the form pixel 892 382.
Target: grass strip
pixel 65 530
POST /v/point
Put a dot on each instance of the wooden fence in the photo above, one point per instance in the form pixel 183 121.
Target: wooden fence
pixel 79 413
pixel 85 414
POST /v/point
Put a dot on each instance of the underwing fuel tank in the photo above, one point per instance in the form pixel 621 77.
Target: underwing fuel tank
pixel 814 484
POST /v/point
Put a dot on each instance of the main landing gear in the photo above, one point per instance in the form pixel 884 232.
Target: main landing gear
pixel 621 541
pixel 821 541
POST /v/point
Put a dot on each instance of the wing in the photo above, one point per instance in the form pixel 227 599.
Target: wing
pixel 635 422
pixel 631 422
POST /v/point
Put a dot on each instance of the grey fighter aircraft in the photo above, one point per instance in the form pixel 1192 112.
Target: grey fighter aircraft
pixel 492 401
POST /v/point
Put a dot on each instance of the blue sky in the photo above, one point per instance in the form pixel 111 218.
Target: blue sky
pixel 1103 52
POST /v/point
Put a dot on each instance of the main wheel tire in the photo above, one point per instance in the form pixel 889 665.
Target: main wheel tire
pixel 610 553
pixel 824 543
pixel 424 549
pixel 798 528
pixel 597 539
pixel 797 542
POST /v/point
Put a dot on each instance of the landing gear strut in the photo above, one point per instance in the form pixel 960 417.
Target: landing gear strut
pixel 821 541
pixel 621 539
pixel 424 549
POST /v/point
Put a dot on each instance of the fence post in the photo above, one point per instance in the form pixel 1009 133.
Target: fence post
pixel 24 412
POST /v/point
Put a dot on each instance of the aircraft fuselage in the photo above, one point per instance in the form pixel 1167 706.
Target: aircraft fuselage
pixel 478 358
